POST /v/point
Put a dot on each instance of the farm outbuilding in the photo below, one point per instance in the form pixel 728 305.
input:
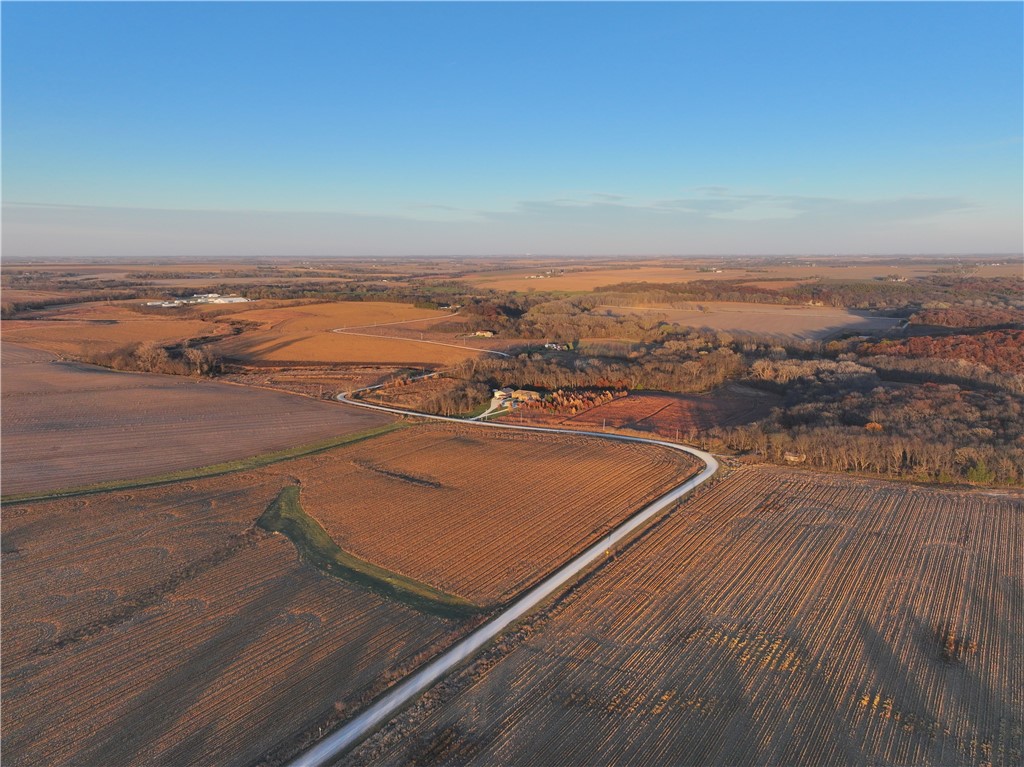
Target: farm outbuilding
pixel 525 395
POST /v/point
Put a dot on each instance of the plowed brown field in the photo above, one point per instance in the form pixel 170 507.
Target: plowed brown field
pixel 780 618
pixel 66 424
pixel 158 627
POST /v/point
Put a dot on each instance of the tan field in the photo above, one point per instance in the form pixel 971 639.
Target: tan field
pixel 192 638
pixel 781 618
pixel 302 334
pixel 100 327
pixel 588 279
pixel 18 295
pixel 314 317
pixel 805 322
pixel 342 348
pixel 577 278
pixel 480 513
pixel 67 424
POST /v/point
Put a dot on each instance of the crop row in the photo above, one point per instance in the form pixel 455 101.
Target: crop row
pixel 484 515
pixel 780 618
pixel 234 662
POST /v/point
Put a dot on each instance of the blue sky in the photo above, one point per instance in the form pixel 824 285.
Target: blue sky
pixel 479 128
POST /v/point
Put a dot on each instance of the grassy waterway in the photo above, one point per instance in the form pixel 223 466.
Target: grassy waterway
pixel 286 515
pixel 215 470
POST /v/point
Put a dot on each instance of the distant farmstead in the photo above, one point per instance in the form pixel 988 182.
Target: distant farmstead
pixel 200 298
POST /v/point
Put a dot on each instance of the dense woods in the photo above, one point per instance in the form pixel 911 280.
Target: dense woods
pixel 1000 350
pixel 967 317
pixel 844 418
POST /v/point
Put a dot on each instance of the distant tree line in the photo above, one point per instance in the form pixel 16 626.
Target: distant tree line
pixel 9 309
pixel 905 298
pixel 968 317
pixel 150 357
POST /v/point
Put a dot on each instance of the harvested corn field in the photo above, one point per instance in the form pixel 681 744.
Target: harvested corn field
pixel 67 424
pixel 781 617
pixel 480 513
pixel 160 627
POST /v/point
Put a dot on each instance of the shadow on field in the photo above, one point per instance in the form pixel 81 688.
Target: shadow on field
pixel 157 708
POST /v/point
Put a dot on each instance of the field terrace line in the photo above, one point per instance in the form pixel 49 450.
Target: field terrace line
pixel 347 331
pixel 420 681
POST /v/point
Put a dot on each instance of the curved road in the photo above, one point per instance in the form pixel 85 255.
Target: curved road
pixel 423 679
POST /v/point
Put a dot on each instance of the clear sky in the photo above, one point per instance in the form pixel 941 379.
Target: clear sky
pixel 502 128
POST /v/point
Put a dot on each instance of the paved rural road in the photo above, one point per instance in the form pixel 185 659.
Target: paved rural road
pixel 419 681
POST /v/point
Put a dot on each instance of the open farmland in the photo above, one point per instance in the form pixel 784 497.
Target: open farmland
pixel 21 296
pixel 573 277
pixel 303 334
pixel 96 328
pixel 480 513
pixel 160 627
pixel 803 322
pixel 660 415
pixel 782 617
pixel 67 424
pixel 307 318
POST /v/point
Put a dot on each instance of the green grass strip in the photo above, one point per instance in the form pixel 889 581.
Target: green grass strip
pixel 286 515
pixel 216 470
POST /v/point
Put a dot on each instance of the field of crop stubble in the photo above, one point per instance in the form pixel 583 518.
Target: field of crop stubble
pixel 481 513
pixel 159 625
pixel 782 617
